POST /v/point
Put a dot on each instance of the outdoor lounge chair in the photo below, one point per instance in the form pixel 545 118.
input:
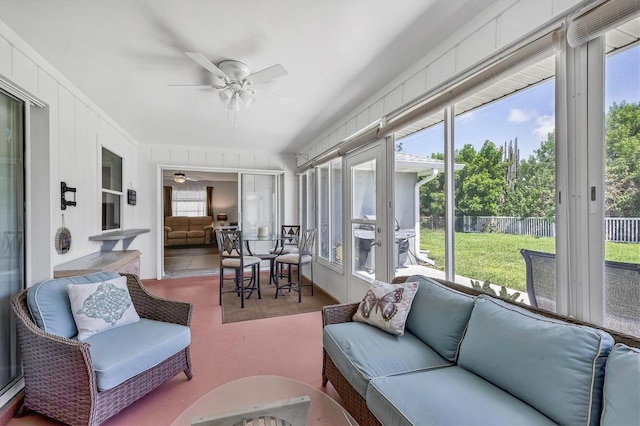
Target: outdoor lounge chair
pixel 622 289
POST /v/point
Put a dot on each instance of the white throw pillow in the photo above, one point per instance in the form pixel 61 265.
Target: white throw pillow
pixel 386 306
pixel 97 307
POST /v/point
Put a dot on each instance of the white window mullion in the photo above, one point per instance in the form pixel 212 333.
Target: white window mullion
pixel 564 104
pixel 595 178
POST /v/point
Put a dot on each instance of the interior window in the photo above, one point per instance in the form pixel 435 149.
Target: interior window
pixel 189 201
pixel 111 190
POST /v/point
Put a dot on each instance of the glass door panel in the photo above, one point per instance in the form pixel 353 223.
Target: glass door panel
pixel 366 255
pixel 259 207
pixel 622 179
pixel 11 232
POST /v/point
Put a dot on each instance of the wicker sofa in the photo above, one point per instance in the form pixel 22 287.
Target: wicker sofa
pixel 86 382
pixel 471 358
pixel 187 230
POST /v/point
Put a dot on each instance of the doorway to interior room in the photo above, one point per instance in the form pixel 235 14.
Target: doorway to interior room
pixel 193 201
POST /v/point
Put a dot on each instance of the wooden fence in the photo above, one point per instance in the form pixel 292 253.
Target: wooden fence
pixel 617 229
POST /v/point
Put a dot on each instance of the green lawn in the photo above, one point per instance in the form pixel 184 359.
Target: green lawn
pixel 497 258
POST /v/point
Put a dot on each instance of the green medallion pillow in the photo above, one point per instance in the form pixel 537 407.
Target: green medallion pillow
pixel 386 306
pixel 97 307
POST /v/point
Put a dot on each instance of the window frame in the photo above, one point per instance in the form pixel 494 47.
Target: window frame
pixel 119 194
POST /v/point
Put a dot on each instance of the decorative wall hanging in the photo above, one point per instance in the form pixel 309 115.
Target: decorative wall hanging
pixel 131 197
pixel 63 239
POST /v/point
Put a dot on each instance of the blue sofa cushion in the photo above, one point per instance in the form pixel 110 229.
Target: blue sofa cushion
pixel 361 352
pixel 622 387
pixel 446 396
pixel 554 366
pixel 439 316
pixel 49 302
pixel 123 352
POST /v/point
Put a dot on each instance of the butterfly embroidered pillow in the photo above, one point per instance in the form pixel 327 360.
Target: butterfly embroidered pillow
pixel 386 306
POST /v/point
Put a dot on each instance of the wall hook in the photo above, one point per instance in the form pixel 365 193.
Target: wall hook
pixel 63 201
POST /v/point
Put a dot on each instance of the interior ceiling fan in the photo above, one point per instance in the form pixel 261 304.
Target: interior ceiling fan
pixel 180 177
pixel 234 81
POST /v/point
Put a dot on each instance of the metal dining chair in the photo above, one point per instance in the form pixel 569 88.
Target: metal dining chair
pixel 303 256
pixel 232 257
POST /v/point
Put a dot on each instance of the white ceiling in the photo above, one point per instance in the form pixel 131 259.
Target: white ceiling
pixel 124 53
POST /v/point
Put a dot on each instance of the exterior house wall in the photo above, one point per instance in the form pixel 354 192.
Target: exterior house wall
pixel 64 146
pixel 495 28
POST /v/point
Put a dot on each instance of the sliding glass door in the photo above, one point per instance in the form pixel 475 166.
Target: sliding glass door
pixel 11 232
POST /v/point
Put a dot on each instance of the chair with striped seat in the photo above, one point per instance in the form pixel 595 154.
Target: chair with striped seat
pixel 232 257
pixel 304 255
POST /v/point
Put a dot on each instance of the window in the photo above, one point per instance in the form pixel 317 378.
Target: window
pixel 336 211
pixel 329 177
pixel 12 237
pixel 189 201
pixel 622 178
pixel 111 190
pixel 504 193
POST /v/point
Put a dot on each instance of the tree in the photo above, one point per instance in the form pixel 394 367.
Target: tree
pixel 622 160
pixel 534 189
pixel 480 185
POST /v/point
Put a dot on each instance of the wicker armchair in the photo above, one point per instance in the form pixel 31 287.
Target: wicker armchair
pixel 59 376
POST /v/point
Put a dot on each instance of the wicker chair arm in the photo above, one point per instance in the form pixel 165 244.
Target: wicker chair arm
pixel 335 314
pixel 54 362
pixel 156 308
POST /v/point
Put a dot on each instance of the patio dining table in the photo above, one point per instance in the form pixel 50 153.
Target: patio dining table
pixel 269 254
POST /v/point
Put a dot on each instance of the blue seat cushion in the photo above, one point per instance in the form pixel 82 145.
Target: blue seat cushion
pixel 622 387
pixel 49 302
pixel 447 396
pixel 439 316
pixel 554 366
pixel 362 352
pixel 123 352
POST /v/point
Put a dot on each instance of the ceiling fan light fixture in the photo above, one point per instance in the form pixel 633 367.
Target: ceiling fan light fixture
pixel 179 177
pixel 225 95
pixel 234 103
pixel 247 98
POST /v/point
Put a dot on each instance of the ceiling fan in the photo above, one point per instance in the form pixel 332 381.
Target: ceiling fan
pixel 180 177
pixel 234 81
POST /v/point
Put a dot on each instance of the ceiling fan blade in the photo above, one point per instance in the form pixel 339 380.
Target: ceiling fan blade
pixel 192 179
pixel 190 86
pixel 281 99
pixel 207 64
pixel 267 74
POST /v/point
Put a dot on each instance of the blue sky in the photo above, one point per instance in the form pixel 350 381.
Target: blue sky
pixel 528 115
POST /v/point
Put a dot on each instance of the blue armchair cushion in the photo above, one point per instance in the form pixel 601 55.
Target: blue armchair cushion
pixel 446 396
pixel 362 352
pixel 439 316
pixel 554 366
pixel 622 387
pixel 121 353
pixel 99 306
pixel 50 306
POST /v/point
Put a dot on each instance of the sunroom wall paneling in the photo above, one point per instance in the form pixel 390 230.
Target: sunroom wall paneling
pixel 496 27
pixel 65 145
pixel 197 157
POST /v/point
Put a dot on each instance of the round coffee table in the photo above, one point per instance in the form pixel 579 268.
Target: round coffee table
pixel 265 391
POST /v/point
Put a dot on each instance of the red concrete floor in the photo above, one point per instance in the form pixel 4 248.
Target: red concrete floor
pixel 288 346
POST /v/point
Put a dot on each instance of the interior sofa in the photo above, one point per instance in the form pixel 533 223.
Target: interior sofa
pixel 470 358
pixel 84 382
pixel 187 230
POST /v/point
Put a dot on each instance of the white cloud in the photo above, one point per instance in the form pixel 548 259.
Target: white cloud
pixel 545 124
pixel 520 116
